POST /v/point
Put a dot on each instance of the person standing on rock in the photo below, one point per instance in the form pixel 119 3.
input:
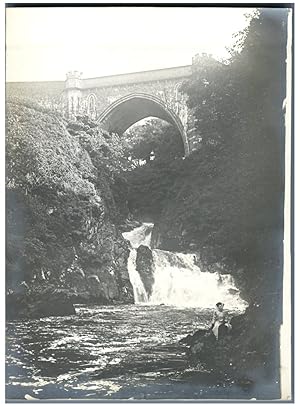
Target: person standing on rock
pixel 219 318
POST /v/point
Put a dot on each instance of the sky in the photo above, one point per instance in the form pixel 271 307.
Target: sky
pixel 43 44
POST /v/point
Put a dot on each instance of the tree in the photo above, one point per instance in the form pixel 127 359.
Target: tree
pixel 229 198
pixel 154 140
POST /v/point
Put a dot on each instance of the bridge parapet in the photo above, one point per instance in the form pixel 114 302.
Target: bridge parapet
pixel 93 96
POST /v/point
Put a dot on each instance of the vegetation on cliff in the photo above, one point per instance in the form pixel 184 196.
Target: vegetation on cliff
pixel 228 202
pixel 61 213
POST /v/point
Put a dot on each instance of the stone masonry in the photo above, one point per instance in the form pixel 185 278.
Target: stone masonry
pixel 118 101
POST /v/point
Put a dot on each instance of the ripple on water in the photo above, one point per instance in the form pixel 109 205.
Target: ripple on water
pixel 103 351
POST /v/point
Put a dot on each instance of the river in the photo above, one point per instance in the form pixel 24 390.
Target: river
pixel 128 351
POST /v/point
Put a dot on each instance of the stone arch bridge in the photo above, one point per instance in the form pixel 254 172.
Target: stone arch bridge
pixel 119 101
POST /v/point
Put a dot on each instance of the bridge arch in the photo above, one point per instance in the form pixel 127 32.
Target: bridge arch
pixel 128 110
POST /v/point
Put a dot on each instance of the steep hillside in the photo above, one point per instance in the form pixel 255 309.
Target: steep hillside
pixel 62 219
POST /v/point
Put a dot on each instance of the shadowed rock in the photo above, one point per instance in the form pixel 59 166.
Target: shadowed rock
pixel 39 305
pixel 145 267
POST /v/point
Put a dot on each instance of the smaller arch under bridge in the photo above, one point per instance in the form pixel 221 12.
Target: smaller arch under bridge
pixel 128 110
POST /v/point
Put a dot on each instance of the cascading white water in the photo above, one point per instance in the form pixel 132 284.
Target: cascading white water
pixel 138 236
pixel 139 291
pixel 177 280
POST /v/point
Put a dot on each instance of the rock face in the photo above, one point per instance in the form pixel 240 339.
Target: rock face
pixel 145 267
pixel 99 274
pixel 45 302
pixel 244 357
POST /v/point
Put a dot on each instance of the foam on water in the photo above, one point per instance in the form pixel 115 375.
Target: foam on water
pixel 178 281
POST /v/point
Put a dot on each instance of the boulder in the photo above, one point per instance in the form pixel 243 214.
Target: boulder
pixel 197 336
pixel 203 347
pixel 145 267
pixel 39 305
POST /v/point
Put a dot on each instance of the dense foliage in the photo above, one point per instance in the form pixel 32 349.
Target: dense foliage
pixel 228 198
pixel 154 150
pixel 153 140
pixel 59 178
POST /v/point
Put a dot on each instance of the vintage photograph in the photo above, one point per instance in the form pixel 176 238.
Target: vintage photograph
pixel 149 203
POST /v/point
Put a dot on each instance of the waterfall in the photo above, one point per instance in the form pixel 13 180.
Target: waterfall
pixel 178 280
